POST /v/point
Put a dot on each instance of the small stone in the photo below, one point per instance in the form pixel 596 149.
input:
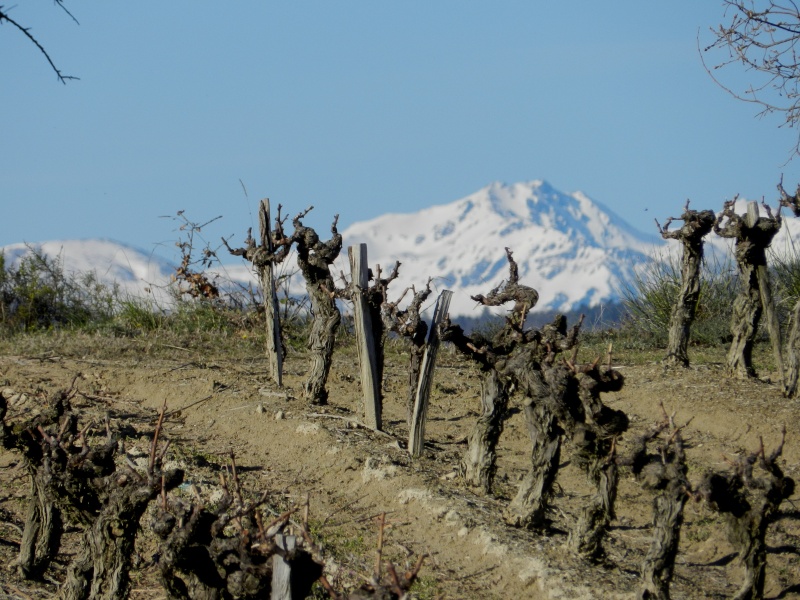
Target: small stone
pixel 308 428
pixel 279 415
pixel 260 409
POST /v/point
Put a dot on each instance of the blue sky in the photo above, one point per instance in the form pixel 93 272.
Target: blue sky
pixel 363 108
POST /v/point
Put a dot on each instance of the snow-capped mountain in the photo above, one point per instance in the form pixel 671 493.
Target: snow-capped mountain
pixel 134 271
pixel 574 251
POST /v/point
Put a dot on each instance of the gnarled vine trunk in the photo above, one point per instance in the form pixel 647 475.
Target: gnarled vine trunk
pixel 749 504
pixel 744 324
pixel 587 536
pixel 753 235
pixel 528 508
pixel 659 562
pixel 594 441
pixel 43 527
pixel 792 355
pixel 409 324
pixel 478 465
pixel 663 470
pixel 695 226
pixel 325 322
pixel 314 257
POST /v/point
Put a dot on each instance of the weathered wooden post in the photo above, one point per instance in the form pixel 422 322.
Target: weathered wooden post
pixel 264 256
pixel 416 434
pixel 272 313
pixel 365 340
pixel 767 303
pixel 281 569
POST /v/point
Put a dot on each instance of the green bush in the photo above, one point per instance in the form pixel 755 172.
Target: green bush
pixel 785 275
pixel 36 293
pixel 140 315
pixel 649 298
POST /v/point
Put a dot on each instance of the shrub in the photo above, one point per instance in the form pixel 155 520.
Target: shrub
pixel 36 293
pixel 648 300
pixel 140 315
pixel 785 273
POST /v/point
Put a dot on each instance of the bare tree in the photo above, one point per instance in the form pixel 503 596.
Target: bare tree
pixel 26 31
pixel 762 35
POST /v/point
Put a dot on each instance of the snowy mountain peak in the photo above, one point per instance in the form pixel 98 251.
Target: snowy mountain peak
pixel 573 250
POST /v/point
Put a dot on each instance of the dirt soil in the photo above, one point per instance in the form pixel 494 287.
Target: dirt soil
pixel 220 402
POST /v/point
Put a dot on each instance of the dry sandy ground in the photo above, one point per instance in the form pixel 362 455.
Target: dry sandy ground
pixel 352 474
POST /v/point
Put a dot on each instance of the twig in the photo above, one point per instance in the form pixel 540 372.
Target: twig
pixel 282 518
pixel 27 33
pixel 12 526
pixel 351 422
pixel 381 525
pixel 340 509
pixel 329 588
pixel 16 590
pixel 156 433
pixel 190 405
pixel 237 487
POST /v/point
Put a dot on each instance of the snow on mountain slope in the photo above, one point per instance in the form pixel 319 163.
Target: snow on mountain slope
pixel 571 249
pixel 111 261
pixel 574 251
pixel 136 272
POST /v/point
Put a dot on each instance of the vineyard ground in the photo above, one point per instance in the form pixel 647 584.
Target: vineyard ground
pixel 352 474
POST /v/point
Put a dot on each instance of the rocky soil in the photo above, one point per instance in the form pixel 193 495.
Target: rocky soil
pixel 221 401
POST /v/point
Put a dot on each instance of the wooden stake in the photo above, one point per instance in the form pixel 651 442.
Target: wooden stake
pixel 379 558
pixel 281 568
pixel 767 303
pixel 416 435
pixel 271 307
pixel 365 341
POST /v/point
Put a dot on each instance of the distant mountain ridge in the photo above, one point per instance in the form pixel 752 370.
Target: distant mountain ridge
pixel 573 250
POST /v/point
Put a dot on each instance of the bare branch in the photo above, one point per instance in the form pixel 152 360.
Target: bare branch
pixel 27 33
pixel 763 37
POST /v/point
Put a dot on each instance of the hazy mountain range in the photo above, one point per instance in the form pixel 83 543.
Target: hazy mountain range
pixel 572 249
